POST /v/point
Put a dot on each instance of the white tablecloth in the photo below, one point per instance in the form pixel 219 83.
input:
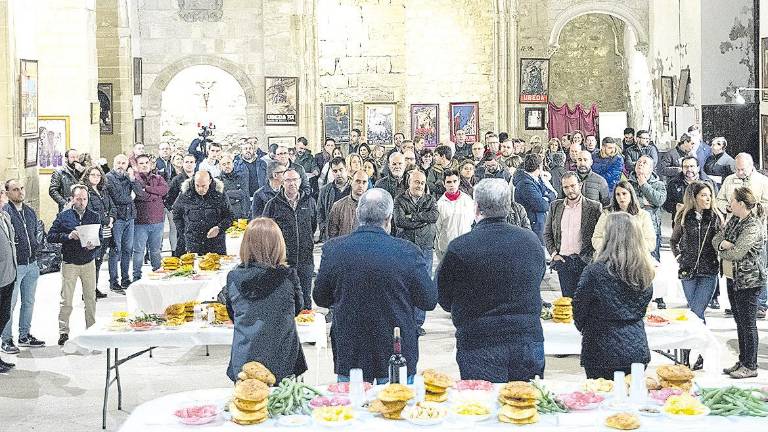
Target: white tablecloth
pixel 157 416
pixel 690 334
pixel 233 245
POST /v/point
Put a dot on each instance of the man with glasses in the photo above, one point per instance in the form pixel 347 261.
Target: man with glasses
pixel 283 155
pixel 294 211
pixel 641 147
pixel 265 193
pixel 25 226
pixel 719 163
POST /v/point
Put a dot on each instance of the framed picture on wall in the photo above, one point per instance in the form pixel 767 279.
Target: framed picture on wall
pixel 52 142
pixel 667 95
pixel 534 118
pixel 137 71
pixel 28 92
pixel 379 122
pixel 105 108
pixel 764 67
pixel 30 152
pixel 465 116
pixel 281 101
pixel 283 141
pixel 425 122
pixel 337 121
pixel 534 80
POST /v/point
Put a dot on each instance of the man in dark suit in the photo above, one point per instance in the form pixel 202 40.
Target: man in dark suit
pixel 534 193
pixel 375 283
pixel 568 233
pixel 489 281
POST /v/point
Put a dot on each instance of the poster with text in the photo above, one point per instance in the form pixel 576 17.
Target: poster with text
pixel 425 122
pixel 379 123
pixel 465 116
pixel 337 119
pixel 281 96
pixel 534 81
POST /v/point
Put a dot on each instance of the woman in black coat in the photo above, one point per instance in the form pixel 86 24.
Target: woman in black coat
pixel 100 202
pixel 611 299
pixel 263 296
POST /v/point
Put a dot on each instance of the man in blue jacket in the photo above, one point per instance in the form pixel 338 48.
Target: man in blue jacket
pixel 534 193
pixel 489 281
pixel 375 283
pixel 78 260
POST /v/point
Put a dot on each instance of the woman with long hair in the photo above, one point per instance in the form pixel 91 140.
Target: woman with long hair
pixel 611 299
pixel 425 160
pixel 354 164
pixel 100 202
pixel 696 224
pixel 263 296
pixel 364 151
pixel 372 169
pixel 625 199
pixel 742 248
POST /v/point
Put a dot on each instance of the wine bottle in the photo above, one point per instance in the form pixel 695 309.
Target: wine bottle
pixel 398 369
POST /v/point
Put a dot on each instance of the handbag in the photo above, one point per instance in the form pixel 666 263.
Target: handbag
pixel 728 268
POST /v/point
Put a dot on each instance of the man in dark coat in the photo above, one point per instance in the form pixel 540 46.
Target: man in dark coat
pixel 670 164
pixel 369 304
pixel 122 184
pixel 268 191
pixel 296 214
pixel 593 185
pixel 235 187
pixel 677 185
pixel 64 178
pixel 499 337
pixel 533 193
pixel 202 214
pixel 174 189
pixel 247 161
pixel 331 193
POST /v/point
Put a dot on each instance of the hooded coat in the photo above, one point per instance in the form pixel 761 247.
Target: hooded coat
pixel 195 215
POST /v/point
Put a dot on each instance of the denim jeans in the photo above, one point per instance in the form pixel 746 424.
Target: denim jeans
pixel 762 298
pixel 510 361
pixel 568 273
pixel 26 285
pixel 744 307
pixel 305 272
pixel 121 250
pixel 146 236
pixel 421 316
pixel 698 291
pixel 379 381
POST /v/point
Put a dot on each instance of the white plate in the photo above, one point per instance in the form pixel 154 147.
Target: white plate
pixel 294 420
pixel 407 412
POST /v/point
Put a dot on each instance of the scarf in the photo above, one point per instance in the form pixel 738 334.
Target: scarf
pixel 453 196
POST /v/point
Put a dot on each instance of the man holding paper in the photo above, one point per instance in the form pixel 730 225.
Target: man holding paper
pixel 79 242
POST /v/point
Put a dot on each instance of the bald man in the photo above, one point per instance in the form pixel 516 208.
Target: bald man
pixel 202 214
pixel 121 182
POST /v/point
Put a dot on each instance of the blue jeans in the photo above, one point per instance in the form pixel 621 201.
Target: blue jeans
pixel 305 271
pixel 698 291
pixel 26 284
pixel 762 298
pixel 509 361
pixel 385 380
pixel 657 228
pixel 146 236
pixel 121 250
pixel 421 316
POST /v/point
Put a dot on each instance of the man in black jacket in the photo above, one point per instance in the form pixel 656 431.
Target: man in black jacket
pixel 25 227
pixel 331 193
pixel 202 214
pixel 676 185
pixel 670 164
pixel 64 178
pixel 499 337
pixel 78 260
pixel 235 187
pixel 121 184
pixel 295 213
pixel 268 191
pixel 174 189
pixel 415 215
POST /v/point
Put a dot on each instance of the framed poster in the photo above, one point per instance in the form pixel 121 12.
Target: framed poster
pixel 667 95
pixel 425 122
pixel 52 142
pixel 28 92
pixel 337 119
pixel 282 141
pixel 281 101
pixel 379 122
pixel 764 68
pixel 105 108
pixel 465 116
pixel 534 80
pixel 137 70
pixel 30 152
pixel 534 118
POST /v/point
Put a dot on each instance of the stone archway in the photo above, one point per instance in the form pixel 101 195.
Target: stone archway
pixel 615 9
pixel 152 106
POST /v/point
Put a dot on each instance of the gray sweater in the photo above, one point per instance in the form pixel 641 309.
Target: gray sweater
pixel 7 251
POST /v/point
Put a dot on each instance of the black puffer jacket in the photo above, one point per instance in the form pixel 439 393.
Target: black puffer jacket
pixel 298 226
pixel 120 188
pixel 236 189
pixel 101 203
pixel 62 181
pixel 415 219
pixel 609 315
pixel 195 215
pixel 694 235
pixel 174 189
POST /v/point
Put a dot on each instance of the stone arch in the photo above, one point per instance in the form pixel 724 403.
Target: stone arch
pixel 154 94
pixel 612 8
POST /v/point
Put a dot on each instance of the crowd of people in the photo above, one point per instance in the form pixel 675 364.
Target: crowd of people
pixel 589 209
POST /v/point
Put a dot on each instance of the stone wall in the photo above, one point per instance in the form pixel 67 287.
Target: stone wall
pixel 403 51
pixel 588 66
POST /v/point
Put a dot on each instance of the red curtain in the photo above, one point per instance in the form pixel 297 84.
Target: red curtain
pixel 563 120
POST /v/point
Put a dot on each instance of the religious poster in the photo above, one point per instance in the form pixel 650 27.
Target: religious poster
pixel 29 94
pixel 534 81
pixel 465 116
pixel 379 121
pixel 337 119
pixel 425 122
pixel 52 142
pixel 281 100
pixel 105 108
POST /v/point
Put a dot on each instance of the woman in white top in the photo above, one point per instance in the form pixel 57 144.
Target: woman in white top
pixel 625 199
